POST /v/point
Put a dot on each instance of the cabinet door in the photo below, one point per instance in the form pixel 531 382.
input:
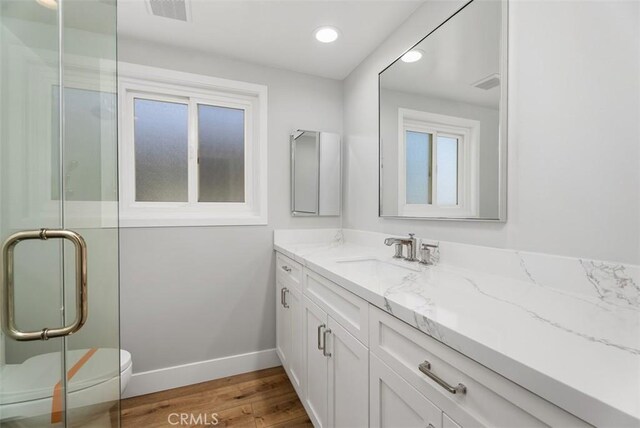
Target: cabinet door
pixel 283 326
pixel 296 365
pixel 348 379
pixel 447 422
pixel 395 403
pixel 315 364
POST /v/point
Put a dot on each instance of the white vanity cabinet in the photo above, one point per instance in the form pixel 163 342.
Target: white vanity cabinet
pixel 447 422
pixel 296 363
pixel 490 400
pixel 317 340
pixel 348 378
pixel 289 271
pixel 289 334
pixel 283 324
pixel 336 383
pixel 316 365
pixel 395 403
pixel 354 365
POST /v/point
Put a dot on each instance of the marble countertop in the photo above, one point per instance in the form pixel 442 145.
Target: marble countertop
pixel 579 351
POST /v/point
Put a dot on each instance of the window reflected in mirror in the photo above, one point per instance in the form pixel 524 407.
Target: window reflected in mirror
pixel 443 121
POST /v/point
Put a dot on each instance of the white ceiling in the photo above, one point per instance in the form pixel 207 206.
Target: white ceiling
pixel 460 53
pixel 278 33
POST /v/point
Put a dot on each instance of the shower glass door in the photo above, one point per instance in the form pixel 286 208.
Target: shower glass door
pixel 58 171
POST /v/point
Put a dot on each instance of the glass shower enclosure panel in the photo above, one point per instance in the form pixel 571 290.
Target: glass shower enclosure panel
pixel 59 346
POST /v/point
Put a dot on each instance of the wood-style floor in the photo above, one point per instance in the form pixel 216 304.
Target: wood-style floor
pixel 264 398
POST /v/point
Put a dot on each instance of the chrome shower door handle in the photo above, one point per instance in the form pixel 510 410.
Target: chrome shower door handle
pixel 82 306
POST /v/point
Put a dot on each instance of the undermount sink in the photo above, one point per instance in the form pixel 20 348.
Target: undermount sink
pixel 377 265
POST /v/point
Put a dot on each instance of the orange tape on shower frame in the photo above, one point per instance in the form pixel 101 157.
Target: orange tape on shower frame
pixel 56 402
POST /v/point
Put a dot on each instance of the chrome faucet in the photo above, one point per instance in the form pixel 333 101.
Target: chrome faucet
pixel 398 243
pixel 411 243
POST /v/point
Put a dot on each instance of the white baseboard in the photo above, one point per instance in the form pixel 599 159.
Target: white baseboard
pixel 201 371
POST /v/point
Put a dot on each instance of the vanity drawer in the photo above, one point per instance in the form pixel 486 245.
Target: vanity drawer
pixel 447 422
pixel 395 403
pixel 345 307
pixel 288 270
pixel 490 399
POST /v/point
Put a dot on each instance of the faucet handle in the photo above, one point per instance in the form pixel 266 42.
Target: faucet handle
pixel 427 253
pixel 425 246
pixel 411 235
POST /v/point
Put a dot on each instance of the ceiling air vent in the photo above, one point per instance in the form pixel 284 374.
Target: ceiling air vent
pixel 172 9
pixel 488 82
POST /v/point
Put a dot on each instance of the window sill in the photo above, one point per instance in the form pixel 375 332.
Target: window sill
pixel 192 221
pixel 436 212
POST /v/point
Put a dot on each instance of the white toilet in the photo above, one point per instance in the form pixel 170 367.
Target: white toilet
pixel 27 389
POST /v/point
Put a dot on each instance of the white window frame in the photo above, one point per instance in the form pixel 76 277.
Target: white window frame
pixel 137 81
pixel 467 131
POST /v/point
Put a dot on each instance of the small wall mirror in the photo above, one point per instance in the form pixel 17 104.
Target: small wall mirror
pixel 315 173
pixel 443 121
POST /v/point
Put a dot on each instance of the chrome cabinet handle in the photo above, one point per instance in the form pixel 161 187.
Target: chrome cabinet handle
pixel 282 296
pixel 285 290
pixel 426 369
pixel 320 327
pixel 324 343
pixel 286 268
pixel 82 306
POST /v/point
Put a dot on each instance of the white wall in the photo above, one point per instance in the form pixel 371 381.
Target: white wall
pixel 574 133
pixel 199 293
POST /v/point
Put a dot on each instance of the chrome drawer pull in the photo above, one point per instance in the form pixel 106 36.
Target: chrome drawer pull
pixel 282 301
pixel 320 327
pixel 426 369
pixel 285 290
pixel 324 343
pixel 286 268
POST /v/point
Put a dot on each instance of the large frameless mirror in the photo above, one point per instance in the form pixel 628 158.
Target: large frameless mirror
pixel 315 173
pixel 443 121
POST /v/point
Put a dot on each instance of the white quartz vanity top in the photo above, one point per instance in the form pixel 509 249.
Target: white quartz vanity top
pixel 579 351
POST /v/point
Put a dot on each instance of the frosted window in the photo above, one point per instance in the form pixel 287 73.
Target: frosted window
pixel 87 115
pixel 418 167
pixel 220 154
pixel 160 133
pixel 447 161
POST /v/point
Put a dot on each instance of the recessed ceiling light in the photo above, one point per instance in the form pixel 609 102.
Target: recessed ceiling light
pixel 49 4
pixel 412 56
pixel 327 34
